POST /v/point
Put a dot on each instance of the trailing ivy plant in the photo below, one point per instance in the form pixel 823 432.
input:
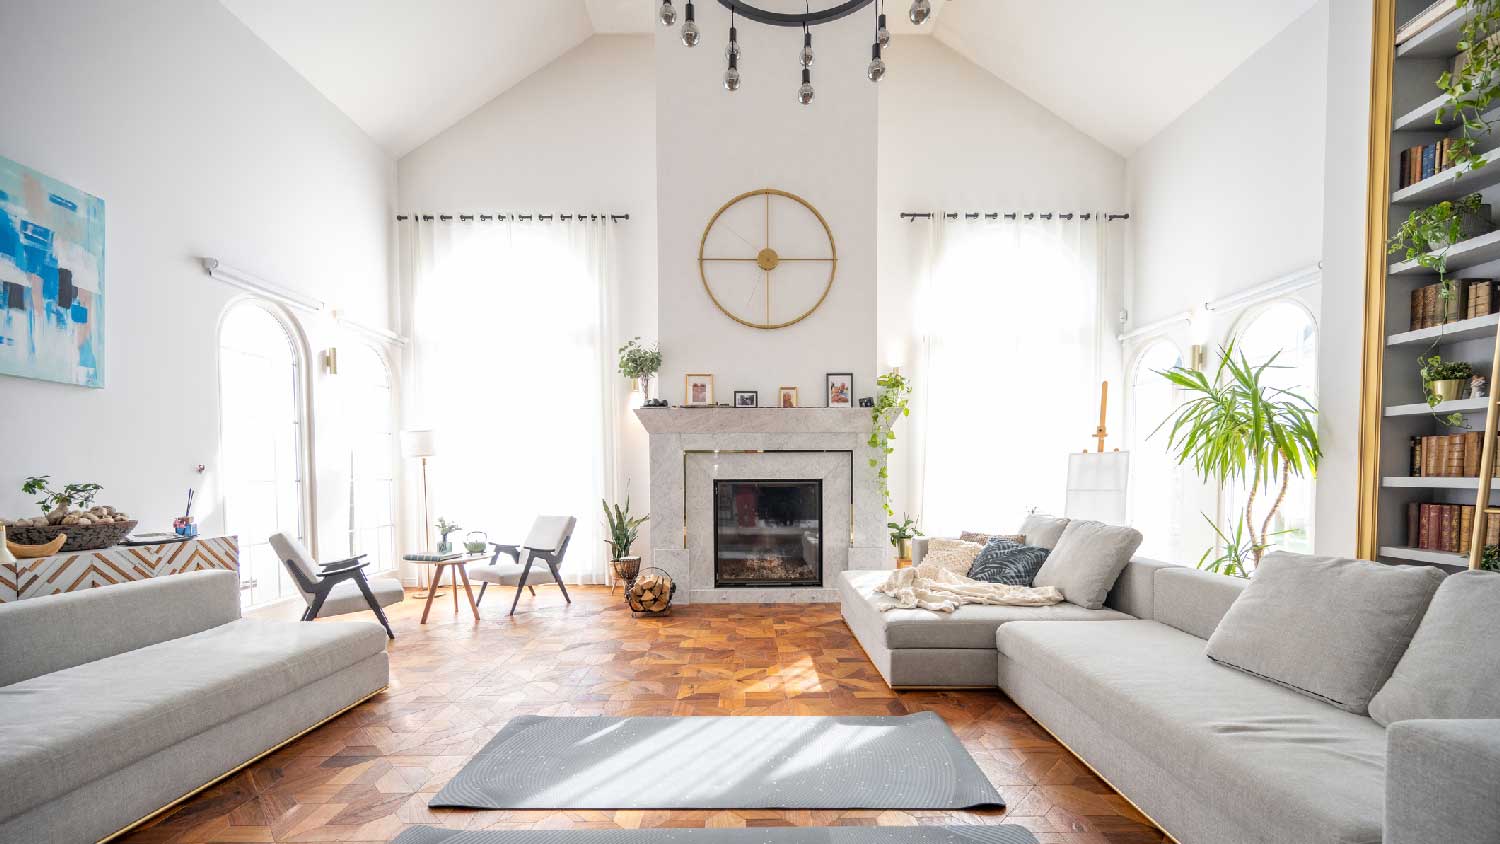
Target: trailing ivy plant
pixel 890 406
pixel 1434 368
pixel 1474 89
pixel 1429 233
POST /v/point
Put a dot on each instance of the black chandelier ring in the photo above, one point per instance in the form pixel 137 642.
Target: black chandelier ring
pixel 794 19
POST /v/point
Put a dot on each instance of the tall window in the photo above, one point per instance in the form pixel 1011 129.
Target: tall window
pixel 1156 488
pixel 1009 320
pixel 371 429
pixel 1286 331
pixel 260 430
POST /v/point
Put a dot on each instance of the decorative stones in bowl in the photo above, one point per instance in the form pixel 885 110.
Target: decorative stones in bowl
pixel 87 530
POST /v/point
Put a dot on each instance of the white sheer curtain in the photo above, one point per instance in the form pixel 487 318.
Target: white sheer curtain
pixel 1009 381
pixel 509 355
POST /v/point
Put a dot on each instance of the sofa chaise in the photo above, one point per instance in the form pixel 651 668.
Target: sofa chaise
pixel 117 702
pixel 1212 754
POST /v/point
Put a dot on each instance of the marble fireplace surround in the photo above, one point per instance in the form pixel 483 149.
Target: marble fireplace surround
pixel 692 447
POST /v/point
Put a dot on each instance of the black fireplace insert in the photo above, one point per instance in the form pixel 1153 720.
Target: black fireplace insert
pixel 768 533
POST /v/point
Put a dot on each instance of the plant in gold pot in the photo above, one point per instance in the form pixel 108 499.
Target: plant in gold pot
pixel 902 533
pixel 1444 380
pixel 622 529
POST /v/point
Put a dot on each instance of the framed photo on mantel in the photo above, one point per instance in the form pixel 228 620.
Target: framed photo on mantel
pixel 698 390
pixel 840 389
pixel 746 398
pixel 786 397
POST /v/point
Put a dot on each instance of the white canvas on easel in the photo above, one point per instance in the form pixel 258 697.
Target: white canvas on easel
pixel 1097 480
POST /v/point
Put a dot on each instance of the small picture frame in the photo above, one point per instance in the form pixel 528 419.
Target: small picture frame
pixel 697 390
pixel 786 397
pixel 839 389
pixel 746 398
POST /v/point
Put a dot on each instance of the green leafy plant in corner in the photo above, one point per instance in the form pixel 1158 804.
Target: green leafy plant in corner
pixel 622 528
pixel 1434 368
pixel 890 406
pixel 1471 92
pixel 904 529
pixel 638 361
pixel 1236 428
pixel 73 495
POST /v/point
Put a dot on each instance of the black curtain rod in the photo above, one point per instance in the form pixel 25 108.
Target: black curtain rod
pixel 995 215
pixel 485 218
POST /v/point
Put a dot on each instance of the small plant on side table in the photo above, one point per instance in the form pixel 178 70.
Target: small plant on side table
pixel 902 533
pixel 890 406
pixel 446 528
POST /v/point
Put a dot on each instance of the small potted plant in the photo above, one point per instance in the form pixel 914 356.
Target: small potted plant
pixel 446 528
pixel 640 364
pixel 902 534
pixel 622 531
pixel 1444 379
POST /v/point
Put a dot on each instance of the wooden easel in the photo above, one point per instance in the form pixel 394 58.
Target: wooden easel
pixel 1100 433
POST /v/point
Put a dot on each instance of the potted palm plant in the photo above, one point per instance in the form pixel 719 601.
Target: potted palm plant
pixel 1235 427
pixel 622 529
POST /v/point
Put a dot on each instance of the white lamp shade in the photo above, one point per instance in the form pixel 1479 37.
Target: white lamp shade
pixel 1096 486
pixel 418 443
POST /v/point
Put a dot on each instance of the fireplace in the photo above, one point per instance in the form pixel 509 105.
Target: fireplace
pixel 768 533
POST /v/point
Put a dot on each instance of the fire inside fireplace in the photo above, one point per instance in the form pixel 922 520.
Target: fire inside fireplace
pixel 768 533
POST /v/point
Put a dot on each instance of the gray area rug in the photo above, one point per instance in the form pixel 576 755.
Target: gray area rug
pixel 1005 834
pixel 751 762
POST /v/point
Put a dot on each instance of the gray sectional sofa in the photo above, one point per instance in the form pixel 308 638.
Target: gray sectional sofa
pixel 116 702
pixel 1213 755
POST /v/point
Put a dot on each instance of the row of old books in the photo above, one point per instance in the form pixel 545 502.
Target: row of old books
pixel 1447 455
pixel 1425 161
pixel 1471 297
pixel 1447 527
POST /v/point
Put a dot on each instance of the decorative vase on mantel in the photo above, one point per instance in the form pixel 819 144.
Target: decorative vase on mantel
pixel 645 381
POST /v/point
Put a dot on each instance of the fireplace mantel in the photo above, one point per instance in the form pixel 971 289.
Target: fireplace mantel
pixel 693 447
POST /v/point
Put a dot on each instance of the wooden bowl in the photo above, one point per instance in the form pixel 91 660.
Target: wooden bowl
pixel 80 537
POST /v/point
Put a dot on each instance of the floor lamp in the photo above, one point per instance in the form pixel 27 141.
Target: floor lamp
pixel 421 445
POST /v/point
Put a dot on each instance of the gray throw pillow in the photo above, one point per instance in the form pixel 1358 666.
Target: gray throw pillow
pixel 1008 562
pixel 1330 628
pixel 1087 560
pixel 1043 531
pixel 1452 668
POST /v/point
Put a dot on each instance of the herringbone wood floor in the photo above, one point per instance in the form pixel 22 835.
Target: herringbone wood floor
pixel 454 682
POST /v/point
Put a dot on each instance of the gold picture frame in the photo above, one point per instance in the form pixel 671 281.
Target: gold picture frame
pixel 698 389
pixel 786 393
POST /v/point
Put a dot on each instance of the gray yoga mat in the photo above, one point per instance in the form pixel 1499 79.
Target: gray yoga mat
pixel 1006 834
pixel 751 762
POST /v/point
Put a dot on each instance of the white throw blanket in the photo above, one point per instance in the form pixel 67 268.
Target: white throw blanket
pixel 932 587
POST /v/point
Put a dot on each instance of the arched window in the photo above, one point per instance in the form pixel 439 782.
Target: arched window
pixel 1286 331
pixel 370 424
pixel 1156 490
pixel 260 443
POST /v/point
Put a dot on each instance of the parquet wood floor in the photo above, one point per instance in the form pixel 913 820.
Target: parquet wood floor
pixel 454 682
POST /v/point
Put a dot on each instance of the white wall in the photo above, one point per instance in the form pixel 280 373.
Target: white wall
pixel 953 137
pixel 201 141
pixel 1230 196
pixel 713 145
pixel 578 135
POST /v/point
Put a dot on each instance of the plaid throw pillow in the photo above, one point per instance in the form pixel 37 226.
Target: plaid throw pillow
pixel 1009 562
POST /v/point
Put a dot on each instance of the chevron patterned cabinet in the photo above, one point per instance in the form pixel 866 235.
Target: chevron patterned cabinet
pixel 71 572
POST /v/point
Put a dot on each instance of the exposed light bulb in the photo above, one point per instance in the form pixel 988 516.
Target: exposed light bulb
pixel 876 70
pixel 807 57
pixel 733 51
pixel 690 32
pixel 732 77
pixel 805 93
pixel 667 14
pixel 921 10
pixel 882 34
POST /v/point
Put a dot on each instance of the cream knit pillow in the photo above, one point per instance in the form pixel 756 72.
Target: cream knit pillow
pixel 952 554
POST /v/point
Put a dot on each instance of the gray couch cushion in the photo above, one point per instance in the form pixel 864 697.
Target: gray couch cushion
pixel 345 597
pixel 1328 627
pixel 1194 601
pixel 1042 530
pixel 1135 588
pixel 64 729
pixel 1452 668
pixel 41 635
pixel 1262 752
pixel 1087 560
pixel 969 626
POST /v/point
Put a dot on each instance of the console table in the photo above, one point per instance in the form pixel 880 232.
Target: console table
pixel 72 571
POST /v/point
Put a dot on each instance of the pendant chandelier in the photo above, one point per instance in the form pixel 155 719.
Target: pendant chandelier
pixel 918 14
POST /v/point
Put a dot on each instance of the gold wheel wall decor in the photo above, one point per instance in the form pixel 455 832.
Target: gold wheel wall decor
pixel 766 260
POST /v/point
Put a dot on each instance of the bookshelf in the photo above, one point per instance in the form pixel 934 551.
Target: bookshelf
pixel 1394 408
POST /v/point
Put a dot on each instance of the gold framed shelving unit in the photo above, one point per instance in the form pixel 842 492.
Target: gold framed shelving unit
pixel 1405 101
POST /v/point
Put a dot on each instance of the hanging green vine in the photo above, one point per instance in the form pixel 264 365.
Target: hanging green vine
pixel 890 406
pixel 1474 88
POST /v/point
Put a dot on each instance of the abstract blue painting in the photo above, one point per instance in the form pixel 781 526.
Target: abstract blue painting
pixel 51 279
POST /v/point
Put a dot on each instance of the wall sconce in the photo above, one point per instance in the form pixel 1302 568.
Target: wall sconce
pixel 331 361
pixel 1198 357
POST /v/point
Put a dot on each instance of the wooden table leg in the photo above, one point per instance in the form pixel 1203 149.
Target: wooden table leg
pixel 463 571
pixel 453 581
pixel 437 577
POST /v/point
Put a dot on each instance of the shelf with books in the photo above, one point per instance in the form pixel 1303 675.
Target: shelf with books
pixel 1442 408
pixel 1477 328
pixel 1461 256
pixel 1439 40
pixel 1403 482
pixel 1447 185
pixel 1424 555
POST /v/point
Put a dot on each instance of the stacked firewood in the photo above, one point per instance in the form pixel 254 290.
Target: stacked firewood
pixel 651 592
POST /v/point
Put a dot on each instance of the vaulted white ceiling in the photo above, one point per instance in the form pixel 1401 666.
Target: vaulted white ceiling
pixel 1120 71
